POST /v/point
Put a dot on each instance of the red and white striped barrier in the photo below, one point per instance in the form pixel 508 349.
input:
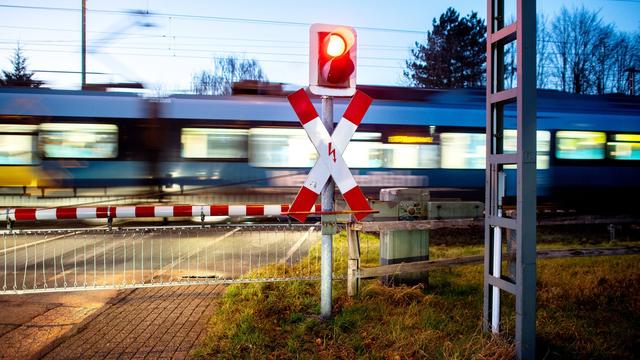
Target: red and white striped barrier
pixel 103 212
pixel 330 149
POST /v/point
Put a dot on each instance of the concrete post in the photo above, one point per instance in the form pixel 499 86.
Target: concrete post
pixel 353 267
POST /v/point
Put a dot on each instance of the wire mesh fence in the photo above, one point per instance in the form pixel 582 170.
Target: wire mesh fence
pixel 98 258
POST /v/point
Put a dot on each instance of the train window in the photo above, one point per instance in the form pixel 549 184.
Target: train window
pixel 462 151
pixel 360 154
pixel 366 136
pixel 624 147
pixel 580 145
pixel 277 147
pixel 411 156
pixel 543 147
pixel 17 144
pixel 90 141
pixel 202 143
pixel 271 147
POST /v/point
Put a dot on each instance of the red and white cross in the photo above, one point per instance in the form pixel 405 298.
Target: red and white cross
pixel 330 149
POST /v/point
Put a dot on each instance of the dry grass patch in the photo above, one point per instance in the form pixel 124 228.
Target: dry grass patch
pixel 588 308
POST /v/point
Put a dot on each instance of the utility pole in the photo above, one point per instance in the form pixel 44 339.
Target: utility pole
pixel 632 80
pixel 84 44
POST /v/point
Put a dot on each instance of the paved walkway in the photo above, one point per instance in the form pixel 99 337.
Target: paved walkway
pixel 32 324
pixel 152 323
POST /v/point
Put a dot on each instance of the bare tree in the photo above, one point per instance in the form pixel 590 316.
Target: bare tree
pixel 625 56
pixel 225 72
pixel 602 53
pixel 621 62
pixel 635 61
pixel 584 54
pixel 586 27
pixel 543 39
pixel 510 65
pixel 561 38
pixel 582 48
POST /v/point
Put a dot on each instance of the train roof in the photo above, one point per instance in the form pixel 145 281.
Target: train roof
pixel 393 106
pixel 70 103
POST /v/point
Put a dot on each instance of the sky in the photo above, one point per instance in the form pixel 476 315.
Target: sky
pixel 179 38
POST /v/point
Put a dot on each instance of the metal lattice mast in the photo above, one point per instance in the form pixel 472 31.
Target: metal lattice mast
pixel 83 41
pixel 522 282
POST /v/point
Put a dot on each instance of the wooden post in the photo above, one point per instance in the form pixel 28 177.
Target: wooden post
pixel 353 266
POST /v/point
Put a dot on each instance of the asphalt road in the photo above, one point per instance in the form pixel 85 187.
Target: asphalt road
pixel 98 258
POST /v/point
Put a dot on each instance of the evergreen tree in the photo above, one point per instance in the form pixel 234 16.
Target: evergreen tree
pixel 454 54
pixel 19 76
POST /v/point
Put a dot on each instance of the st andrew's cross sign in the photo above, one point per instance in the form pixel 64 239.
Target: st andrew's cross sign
pixel 330 148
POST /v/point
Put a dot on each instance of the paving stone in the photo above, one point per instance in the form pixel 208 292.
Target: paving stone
pixel 151 323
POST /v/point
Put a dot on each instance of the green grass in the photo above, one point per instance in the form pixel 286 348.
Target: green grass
pixel 587 308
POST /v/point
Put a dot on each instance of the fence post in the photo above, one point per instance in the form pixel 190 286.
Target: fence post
pixel 353 265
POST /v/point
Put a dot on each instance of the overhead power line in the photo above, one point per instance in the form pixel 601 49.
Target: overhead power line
pixel 629 1
pixel 70 72
pixel 205 17
pixel 303 44
pixel 199 57
pixel 181 49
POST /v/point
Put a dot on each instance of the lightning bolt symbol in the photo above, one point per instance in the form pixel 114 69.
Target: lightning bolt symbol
pixel 332 151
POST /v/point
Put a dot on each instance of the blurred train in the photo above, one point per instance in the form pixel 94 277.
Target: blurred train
pixel 588 146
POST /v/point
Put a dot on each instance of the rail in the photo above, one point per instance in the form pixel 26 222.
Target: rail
pixel 418 266
pixel 355 273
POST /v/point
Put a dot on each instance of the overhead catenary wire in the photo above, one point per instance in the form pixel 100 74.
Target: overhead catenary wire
pixel 304 54
pixel 200 57
pixel 202 17
pixel 178 51
pixel 303 44
pixel 174 49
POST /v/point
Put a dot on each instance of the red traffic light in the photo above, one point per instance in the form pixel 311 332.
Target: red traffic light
pixel 334 45
pixel 332 60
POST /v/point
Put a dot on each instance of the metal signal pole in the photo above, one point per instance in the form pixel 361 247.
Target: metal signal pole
pixel 328 224
pixel 84 43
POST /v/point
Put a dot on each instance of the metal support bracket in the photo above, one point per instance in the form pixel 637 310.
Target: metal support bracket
pixel 353 265
pixel 109 219
pixel 329 224
pixel 10 223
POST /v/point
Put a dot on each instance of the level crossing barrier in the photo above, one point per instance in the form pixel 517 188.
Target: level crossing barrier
pixel 43 260
pixel 112 212
pixel 35 260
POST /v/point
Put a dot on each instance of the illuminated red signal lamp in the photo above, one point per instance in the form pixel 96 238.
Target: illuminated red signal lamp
pixel 334 45
pixel 332 60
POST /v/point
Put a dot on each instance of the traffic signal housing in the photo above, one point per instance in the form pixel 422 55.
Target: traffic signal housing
pixel 332 60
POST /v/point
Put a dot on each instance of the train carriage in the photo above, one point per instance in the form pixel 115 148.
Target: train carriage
pixel 409 138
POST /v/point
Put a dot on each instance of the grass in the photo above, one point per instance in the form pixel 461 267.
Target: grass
pixel 587 308
pixel 583 234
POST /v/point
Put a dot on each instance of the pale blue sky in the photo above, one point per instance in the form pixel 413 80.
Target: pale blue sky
pixel 189 33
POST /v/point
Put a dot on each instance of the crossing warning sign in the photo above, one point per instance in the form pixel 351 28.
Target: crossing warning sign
pixel 330 148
